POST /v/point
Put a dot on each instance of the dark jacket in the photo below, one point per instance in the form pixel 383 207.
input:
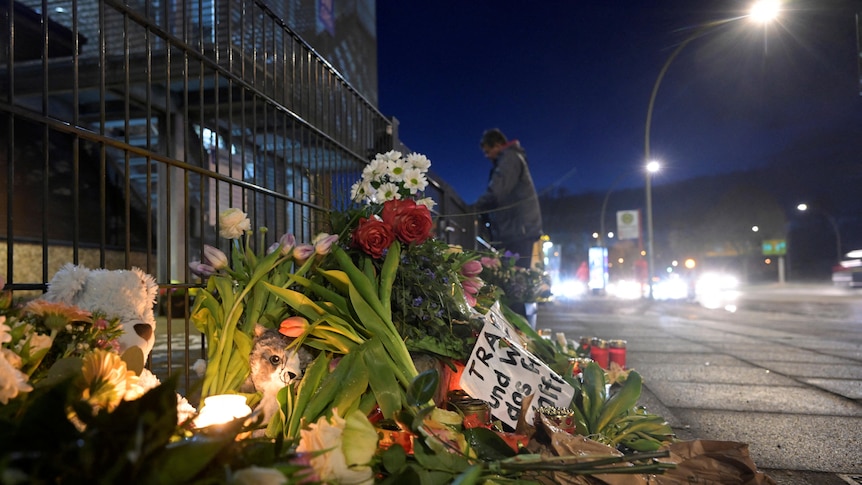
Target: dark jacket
pixel 511 201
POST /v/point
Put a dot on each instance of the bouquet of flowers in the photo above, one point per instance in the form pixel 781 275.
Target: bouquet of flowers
pixel 516 284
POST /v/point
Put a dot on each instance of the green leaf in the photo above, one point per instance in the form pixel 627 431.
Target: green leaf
pixel 469 476
pixel 354 383
pixel 393 459
pixel 183 460
pixel 594 393
pixel 488 444
pixel 297 301
pixel 383 383
pixel 423 388
pixel 331 388
pixel 388 273
pixel 308 387
pixel 438 461
pixel 621 402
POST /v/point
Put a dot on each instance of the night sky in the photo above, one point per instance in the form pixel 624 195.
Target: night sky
pixel 572 80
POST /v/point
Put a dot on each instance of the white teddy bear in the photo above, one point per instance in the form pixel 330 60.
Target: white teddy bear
pixel 126 294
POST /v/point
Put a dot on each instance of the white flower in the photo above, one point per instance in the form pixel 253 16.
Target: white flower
pixel 417 160
pixel 427 202
pixel 5 331
pixel 362 190
pixel 415 180
pixel 387 191
pixel 13 358
pixel 233 223
pixel 12 381
pixel 255 475
pixel 375 169
pixel 185 411
pixel 347 445
pixel 200 367
pixel 395 170
pixel 40 342
pixel 392 155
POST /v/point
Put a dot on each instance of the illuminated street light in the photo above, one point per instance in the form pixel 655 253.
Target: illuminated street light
pixel 762 11
pixel 804 207
pixel 651 167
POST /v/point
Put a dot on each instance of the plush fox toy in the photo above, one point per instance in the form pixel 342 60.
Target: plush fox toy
pixel 126 294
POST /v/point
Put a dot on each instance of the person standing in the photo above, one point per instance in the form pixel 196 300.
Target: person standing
pixel 510 201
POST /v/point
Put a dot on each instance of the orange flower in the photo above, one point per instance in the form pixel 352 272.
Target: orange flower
pixel 293 326
pixel 57 315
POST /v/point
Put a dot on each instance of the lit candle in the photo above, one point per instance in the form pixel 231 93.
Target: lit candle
pixel 221 409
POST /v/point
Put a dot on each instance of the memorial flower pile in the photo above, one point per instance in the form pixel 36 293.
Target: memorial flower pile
pixel 365 300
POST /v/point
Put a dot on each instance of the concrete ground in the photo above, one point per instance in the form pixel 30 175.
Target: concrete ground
pixel 782 373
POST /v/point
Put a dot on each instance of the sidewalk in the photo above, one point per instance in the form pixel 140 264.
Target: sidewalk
pixel 788 388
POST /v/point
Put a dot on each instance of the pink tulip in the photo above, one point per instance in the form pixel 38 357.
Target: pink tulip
pixel 323 243
pixel 215 257
pixel 472 285
pixel 201 269
pixel 490 262
pixel 303 252
pixel 471 268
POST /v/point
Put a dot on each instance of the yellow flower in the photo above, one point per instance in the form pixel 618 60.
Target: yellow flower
pixel 347 445
pixel 106 380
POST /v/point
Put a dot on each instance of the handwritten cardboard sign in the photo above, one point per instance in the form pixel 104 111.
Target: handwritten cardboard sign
pixel 502 372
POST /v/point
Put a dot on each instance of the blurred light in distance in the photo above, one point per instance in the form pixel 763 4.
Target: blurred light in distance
pixel 672 288
pixel 690 263
pixel 625 289
pixel 714 290
pixel 570 289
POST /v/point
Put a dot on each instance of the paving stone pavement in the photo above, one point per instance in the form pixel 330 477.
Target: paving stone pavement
pixel 788 383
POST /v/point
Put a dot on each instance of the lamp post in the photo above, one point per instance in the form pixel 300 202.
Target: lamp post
pixel 833 223
pixel 762 11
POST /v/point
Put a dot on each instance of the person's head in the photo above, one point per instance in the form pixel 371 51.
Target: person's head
pixel 492 142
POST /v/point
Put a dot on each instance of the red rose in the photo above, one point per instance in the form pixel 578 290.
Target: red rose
pixel 413 225
pixel 373 236
pixel 393 208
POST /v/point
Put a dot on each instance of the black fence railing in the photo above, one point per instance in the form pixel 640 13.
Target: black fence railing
pixel 125 130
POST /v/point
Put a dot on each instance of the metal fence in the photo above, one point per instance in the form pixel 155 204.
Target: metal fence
pixel 125 128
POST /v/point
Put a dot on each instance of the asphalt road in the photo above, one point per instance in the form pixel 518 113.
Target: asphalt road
pixel 778 367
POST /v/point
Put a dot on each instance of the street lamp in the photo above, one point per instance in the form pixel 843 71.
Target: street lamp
pixel 762 11
pixel 832 222
pixel 651 167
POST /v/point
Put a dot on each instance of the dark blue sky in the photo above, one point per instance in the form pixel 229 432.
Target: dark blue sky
pixel 572 80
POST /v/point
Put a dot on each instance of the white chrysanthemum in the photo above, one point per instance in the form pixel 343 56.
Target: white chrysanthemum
pixel 356 191
pixel 417 160
pixel 415 180
pixel 427 202
pixel 375 169
pixel 362 190
pixel 12 381
pixel 392 155
pixel 387 191
pixel 395 170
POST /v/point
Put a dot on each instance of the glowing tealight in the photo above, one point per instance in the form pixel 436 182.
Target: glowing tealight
pixel 221 409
